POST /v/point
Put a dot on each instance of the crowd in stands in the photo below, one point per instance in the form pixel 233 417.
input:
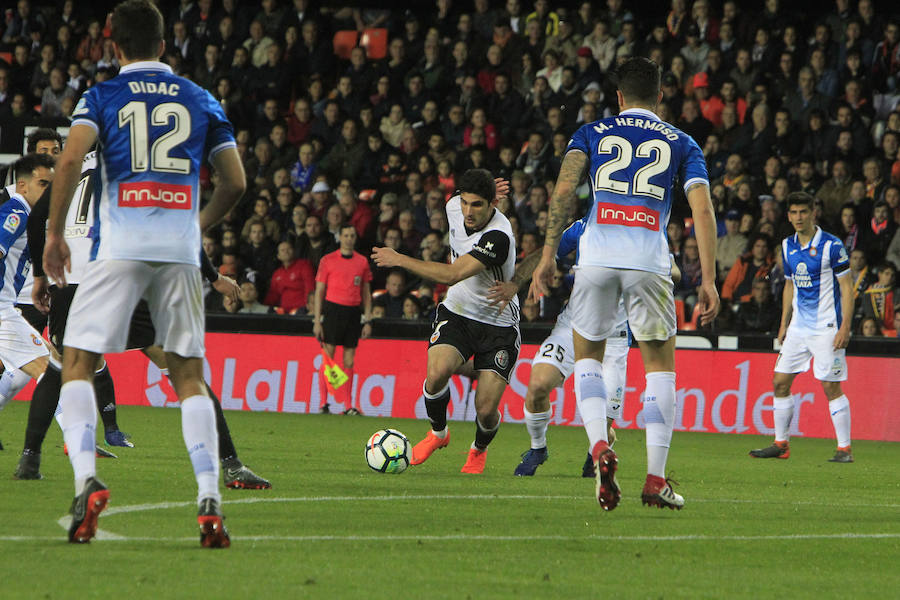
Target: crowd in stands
pixel 375 135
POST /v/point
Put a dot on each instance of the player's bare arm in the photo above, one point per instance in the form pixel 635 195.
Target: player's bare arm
pixel 787 298
pixel 68 172
pixel 842 337
pixel 462 268
pixel 558 216
pixel 503 291
pixel 705 231
pixel 231 186
pixel 367 310
pixel 318 331
pixel 224 285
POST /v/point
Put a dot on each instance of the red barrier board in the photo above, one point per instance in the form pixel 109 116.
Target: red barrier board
pixel 717 390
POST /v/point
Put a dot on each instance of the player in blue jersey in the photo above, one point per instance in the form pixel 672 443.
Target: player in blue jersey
pixel 21 346
pixel 633 162
pixel 815 323
pixel 154 129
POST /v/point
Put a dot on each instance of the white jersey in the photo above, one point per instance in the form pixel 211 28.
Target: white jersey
pixel 495 246
pixel 25 293
pixel 80 219
pixel 16 263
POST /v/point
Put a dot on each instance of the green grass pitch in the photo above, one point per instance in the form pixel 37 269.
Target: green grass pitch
pixel 332 528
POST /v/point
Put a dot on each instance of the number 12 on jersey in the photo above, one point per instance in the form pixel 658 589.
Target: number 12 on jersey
pixel 156 156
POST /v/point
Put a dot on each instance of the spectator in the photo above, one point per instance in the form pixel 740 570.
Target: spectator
pixel 860 276
pixel 834 191
pixel 410 237
pixel 412 310
pixel 345 158
pixel 359 214
pixel 250 300
pixel 394 294
pixel 876 235
pixel 869 327
pixel 303 172
pixel 314 243
pixel 291 283
pixel 55 95
pixel 297 226
pixel 749 267
pixel 90 49
pixel 730 246
pixel 260 215
pixel 878 301
pixel 758 313
pixel 258 253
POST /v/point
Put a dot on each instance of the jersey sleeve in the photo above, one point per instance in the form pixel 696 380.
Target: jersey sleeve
pixel 840 262
pixel 322 271
pixel 579 140
pixel 492 249
pixel 14 219
pixel 569 240
pixel 37 232
pixel 87 111
pixel 220 134
pixel 693 166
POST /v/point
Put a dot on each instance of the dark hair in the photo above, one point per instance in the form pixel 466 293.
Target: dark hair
pixel 755 238
pixel 800 199
pixel 137 29
pixel 40 135
pixel 345 225
pixel 26 165
pixel 638 80
pixel 479 182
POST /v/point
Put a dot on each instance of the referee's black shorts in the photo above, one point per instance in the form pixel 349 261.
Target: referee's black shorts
pixel 141 332
pixel 341 324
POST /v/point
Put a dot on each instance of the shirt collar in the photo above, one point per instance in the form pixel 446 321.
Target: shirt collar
pixel 812 242
pixel 146 65
pixel 640 112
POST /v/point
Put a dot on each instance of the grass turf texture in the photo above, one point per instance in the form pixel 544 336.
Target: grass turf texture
pixel 333 528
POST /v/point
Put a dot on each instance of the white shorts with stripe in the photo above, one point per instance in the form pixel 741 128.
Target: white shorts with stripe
pixel 798 348
pixel 20 343
pixel 110 289
pixel 648 297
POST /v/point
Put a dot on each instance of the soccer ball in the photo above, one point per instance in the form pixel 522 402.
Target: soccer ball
pixel 387 451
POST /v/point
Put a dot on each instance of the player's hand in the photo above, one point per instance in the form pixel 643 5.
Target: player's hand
pixel 227 287
pixel 386 257
pixel 40 294
pixel 708 300
pixel 57 259
pixel 366 332
pixel 318 331
pixel 540 279
pixel 782 332
pixel 841 338
pixel 502 186
pixel 501 293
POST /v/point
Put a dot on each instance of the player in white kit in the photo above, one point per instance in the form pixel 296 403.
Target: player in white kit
pixel 483 250
pixel 154 129
pixel 634 161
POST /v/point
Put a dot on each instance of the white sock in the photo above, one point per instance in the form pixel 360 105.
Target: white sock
pixel 79 423
pixel 198 426
pixel 537 427
pixel 11 383
pixel 784 412
pixel 659 419
pixel 840 417
pixel 590 396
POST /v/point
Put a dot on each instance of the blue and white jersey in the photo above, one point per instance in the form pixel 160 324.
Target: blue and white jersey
pixel 25 293
pixel 154 130
pixel 635 162
pixel 16 263
pixel 814 270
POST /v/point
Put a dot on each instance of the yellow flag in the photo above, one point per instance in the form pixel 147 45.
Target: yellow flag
pixel 335 375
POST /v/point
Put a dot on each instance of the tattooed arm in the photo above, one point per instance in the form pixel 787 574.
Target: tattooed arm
pixel 559 215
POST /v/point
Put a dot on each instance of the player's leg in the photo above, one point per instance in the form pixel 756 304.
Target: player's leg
pixel 650 307
pixel 324 387
pixel 443 361
pixel 830 367
pixel 491 386
pixel 615 370
pixel 545 377
pixel 235 474
pixel 793 359
pixel 174 300
pixel 346 389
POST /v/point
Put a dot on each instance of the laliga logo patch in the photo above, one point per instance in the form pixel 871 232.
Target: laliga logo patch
pixel 501 359
pixel 11 223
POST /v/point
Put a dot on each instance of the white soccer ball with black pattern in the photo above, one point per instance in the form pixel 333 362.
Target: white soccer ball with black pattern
pixel 388 451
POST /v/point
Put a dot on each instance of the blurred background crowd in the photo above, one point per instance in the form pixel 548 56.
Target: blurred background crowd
pixel 366 116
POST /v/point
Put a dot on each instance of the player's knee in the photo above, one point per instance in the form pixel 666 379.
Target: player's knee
pixel 781 385
pixel 832 389
pixel 537 398
pixel 488 417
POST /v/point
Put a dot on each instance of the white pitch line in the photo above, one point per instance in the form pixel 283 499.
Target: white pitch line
pixel 489 538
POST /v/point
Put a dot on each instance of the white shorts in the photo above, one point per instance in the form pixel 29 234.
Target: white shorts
pixel 828 364
pixel 557 351
pixel 20 343
pixel 649 303
pixel 101 310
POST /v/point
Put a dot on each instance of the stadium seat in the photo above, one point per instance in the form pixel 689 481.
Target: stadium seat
pixel 344 42
pixel 6 57
pixel 375 43
pixel 679 314
pixel 889 333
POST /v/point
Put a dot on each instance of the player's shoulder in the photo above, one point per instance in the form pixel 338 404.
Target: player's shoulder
pixel 453 203
pixel 830 237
